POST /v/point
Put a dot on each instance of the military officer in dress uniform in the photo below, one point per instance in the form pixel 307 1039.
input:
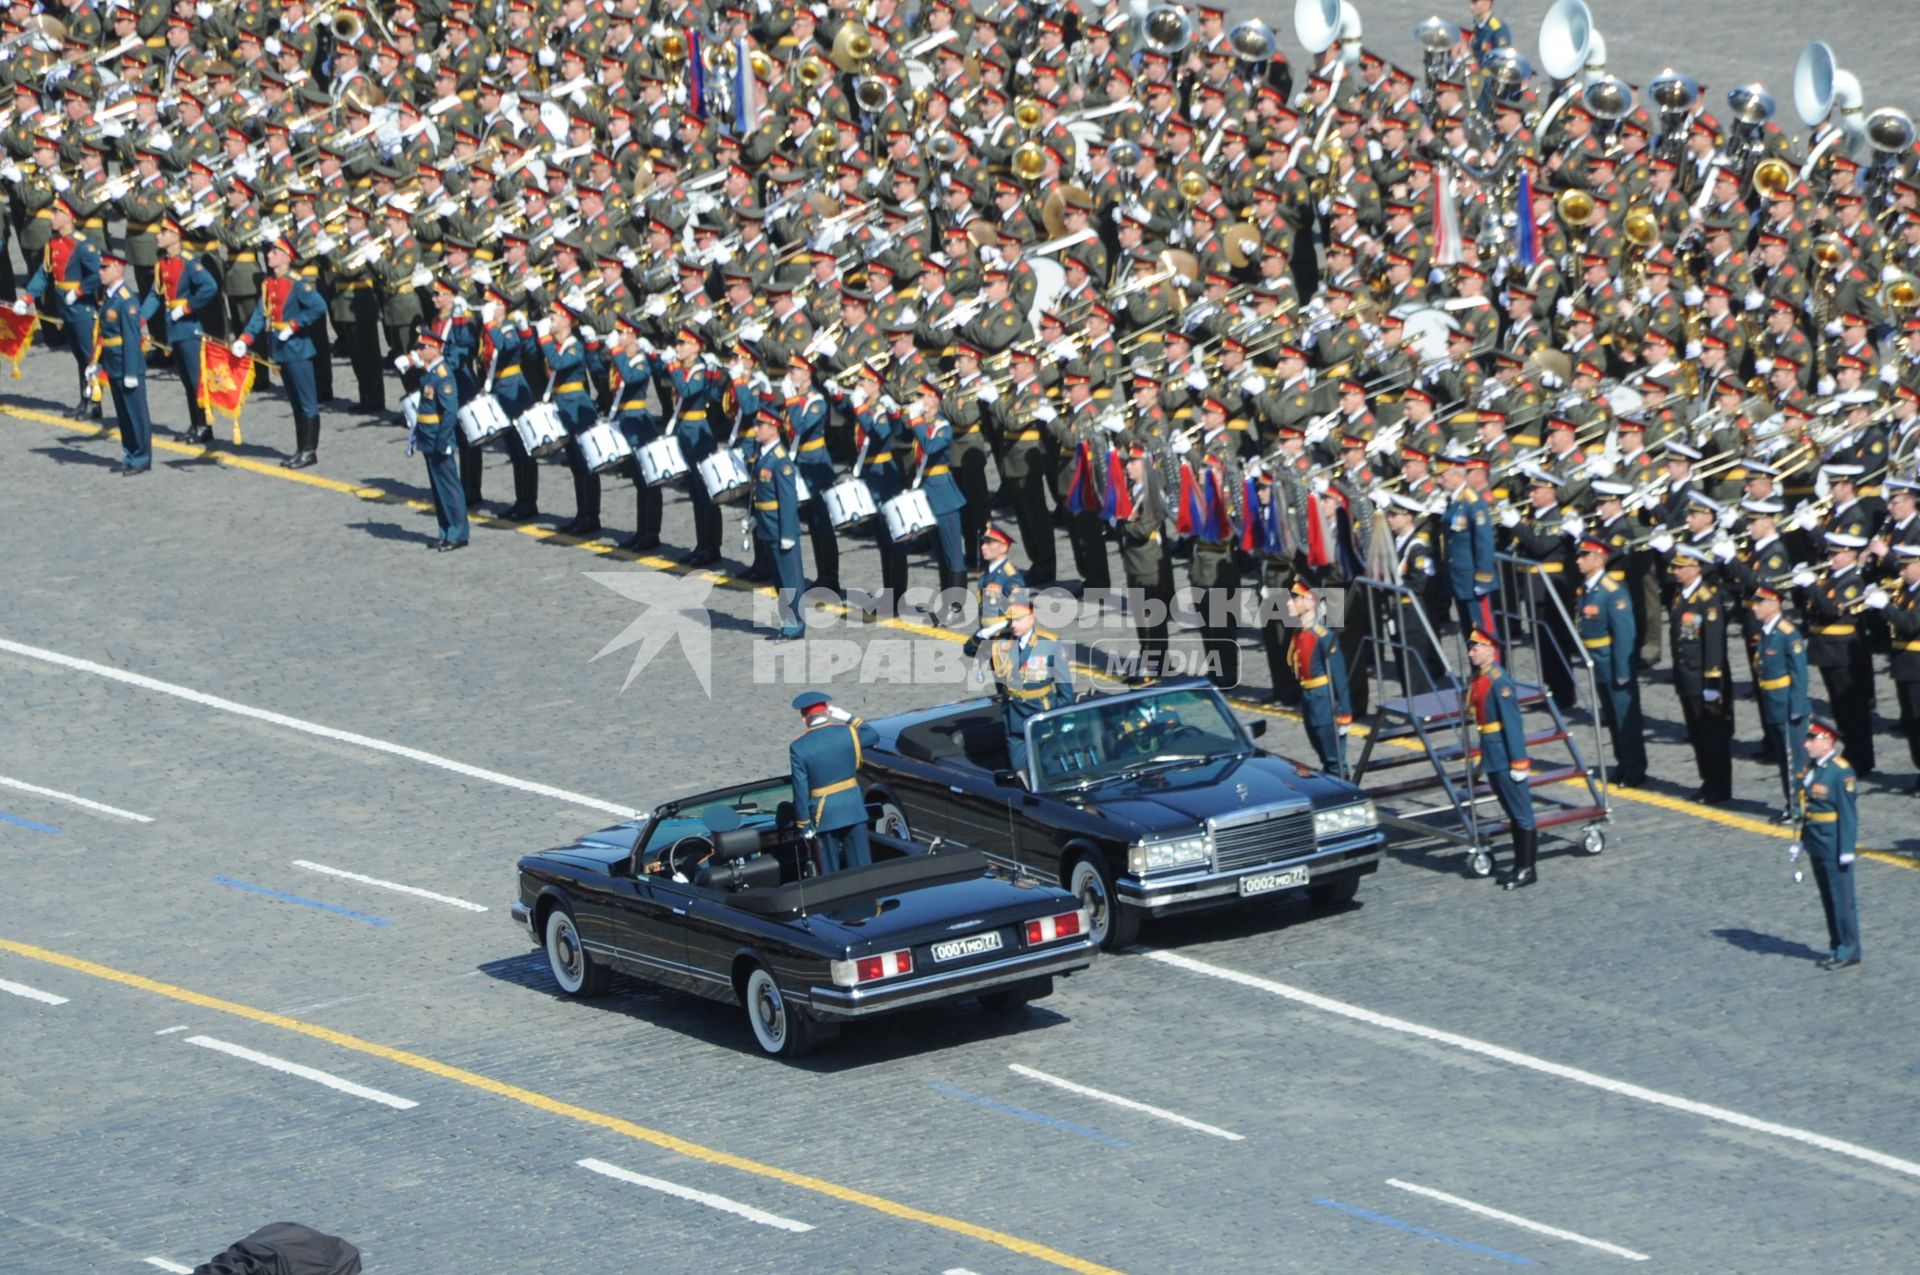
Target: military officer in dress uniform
pixel 1836 647
pixel 1697 636
pixel 806 410
pixel 1030 665
pixel 69 273
pixel 1321 670
pixel 437 435
pixel 1000 580
pixel 123 360
pixel 1144 560
pixel 571 362
pixel 1605 619
pixel 1829 827
pixel 1503 752
pixel 289 306
pixel 828 805
pixel 776 520
pixel 1780 680
pixel 935 439
pixel 1466 547
pixel 1902 611
pixel 182 287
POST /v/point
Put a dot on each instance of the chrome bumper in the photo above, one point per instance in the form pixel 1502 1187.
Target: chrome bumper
pixel 1179 890
pixel 523 916
pixel 862 1002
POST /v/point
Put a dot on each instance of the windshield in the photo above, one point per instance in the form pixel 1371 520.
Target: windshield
pixel 1098 739
pixel 702 817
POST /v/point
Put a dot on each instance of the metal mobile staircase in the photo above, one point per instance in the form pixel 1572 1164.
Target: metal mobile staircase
pixel 1417 762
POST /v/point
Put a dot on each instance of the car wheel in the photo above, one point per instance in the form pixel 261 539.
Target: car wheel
pixel 573 966
pixel 1334 892
pixel 1011 1000
pixel 892 822
pixel 1112 924
pixel 778 1027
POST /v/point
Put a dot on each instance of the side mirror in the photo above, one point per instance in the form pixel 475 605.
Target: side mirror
pixel 1258 730
pixel 1008 779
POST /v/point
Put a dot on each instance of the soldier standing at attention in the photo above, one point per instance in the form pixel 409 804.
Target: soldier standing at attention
pixel 436 436
pixel 69 273
pixel 1144 560
pixel 1697 636
pixel 1605 620
pixel 827 802
pixel 776 521
pixel 999 578
pixel 122 358
pixel 1503 753
pixel 1903 620
pixel 1466 546
pixel 1829 825
pixel 1489 33
pixel 1780 681
pixel 290 306
pixel 1031 667
pixel 1322 673
pixel 182 287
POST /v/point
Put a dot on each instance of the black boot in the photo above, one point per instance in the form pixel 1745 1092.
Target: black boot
pixel 1526 849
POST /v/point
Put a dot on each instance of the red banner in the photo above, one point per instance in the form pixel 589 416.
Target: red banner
pixel 226 379
pixel 16 336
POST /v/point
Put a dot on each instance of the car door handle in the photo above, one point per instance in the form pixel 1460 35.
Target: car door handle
pixel 956 790
pixel 679 911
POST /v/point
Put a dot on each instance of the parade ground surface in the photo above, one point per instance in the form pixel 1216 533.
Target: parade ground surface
pixel 267 767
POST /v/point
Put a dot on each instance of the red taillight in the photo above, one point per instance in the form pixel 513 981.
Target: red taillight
pixel 891 965
pixel 1049 928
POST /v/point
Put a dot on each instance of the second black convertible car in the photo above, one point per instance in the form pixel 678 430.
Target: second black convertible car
pixel 707 894
pixel 1147 802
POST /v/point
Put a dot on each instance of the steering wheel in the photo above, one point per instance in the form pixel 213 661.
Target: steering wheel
pixel 701 847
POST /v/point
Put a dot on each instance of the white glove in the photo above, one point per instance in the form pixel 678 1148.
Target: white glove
pixel 858 396
pixel 1254 384
pixel 93 370
pixel 1509 518
pixel 1824 386
pixel 1182 445
pixel 1755 299
pixel 1711 697
pixel 1725 549
pixel 61 182
pixel 1628 309
pixel 1644 295
pixel 1573 526
pixel 239 348
pixel 1889 373
pixel 324 245
pixel 423 63
pixel 489 311
pixel 1693 296
pixel 909 315
pixel 1662 542
pixel 1564 307
pixel 178 310
pixel 404 362
pixel 1518 776
pixel 1381 498
pixel 587 333
pixel 1045 413
pixel 1321 486
pixel 1804 519
pixel 22 306
pixel 546 57
pixel 272 45
pixel 703 316
pixel 628 258
pixel 483 274
pixel 1693 349
pixel 1601 467
pixel 786 544
pixel 9 172
pixel 543 326
pixel 991 631
pixel 1182 282
pixel 203 10
pixel 752 331
pixel 828 347
pixel 130 382
pixel 1803 579
pixel 1846 857
pixel 656 306
pixel 1196 380
pixel 990 393
pixel 1832 328
pixel 887 404
pixel 492 59
pixel 1763 366
pixel 1877 598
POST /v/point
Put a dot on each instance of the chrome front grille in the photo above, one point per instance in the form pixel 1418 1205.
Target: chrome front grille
pixel 1261 836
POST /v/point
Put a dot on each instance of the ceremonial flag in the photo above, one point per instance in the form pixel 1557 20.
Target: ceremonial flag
pixel 1446 219
pixel 696 77
pixel 1187 515
pixel 1251 534
pixel 226 379
pixel 1216 524
pixel 1118 505
pixel 1529 245
pixel 747 105
pixel 1078 497
pixel 16 336
pixel 1319 554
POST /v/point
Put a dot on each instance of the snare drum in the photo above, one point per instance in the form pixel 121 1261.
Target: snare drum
pixel 908 515
pixel 483 420
pixel 540 430
pixel 604 447
pixel 725 476
pixel 849 504
pixel 662 462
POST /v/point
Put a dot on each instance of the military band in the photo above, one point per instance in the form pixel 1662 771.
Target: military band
pixel 1007 278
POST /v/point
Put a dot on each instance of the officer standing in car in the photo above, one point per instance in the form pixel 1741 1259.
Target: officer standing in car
pixel 1031 667
pixel 827 803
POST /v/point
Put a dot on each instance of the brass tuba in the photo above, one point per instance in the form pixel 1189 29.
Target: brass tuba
pixel 1168 30
pixel 1771 176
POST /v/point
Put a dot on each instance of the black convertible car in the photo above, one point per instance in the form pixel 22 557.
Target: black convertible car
pixel 716 895
pixel 1145 802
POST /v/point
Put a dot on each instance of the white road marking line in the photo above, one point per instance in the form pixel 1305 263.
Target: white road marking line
pixel 1579 1076
pixel 414 890
pixel 168 1031
pixel 707 1198
pixel 326 1078
pixel 84 803
pixel 31 993
pixel 165 1265
pixel 1130 1104
pixel 1516 1220
pixel 314 728
pixel 957 1270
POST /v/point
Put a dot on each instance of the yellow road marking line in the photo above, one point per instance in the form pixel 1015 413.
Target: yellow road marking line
pixel 565 1110
pixel 382 496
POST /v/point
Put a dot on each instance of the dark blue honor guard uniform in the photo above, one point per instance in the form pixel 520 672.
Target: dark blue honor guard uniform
pixel 1466 545
pixel 1603 614
pixel 827 801
pixel 629 374
pixel 1503 752
pixel 182 288
pixel 437 436
pixel 69 277
pixel 570 366
pixel 776 520
pixel 806 412
pixel 1780 681
pixel 513 353
pixel 123 358
pixel 1829 828
pixel 701 388
pixel 290 308
pixel 1321 670
pixel 935 437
